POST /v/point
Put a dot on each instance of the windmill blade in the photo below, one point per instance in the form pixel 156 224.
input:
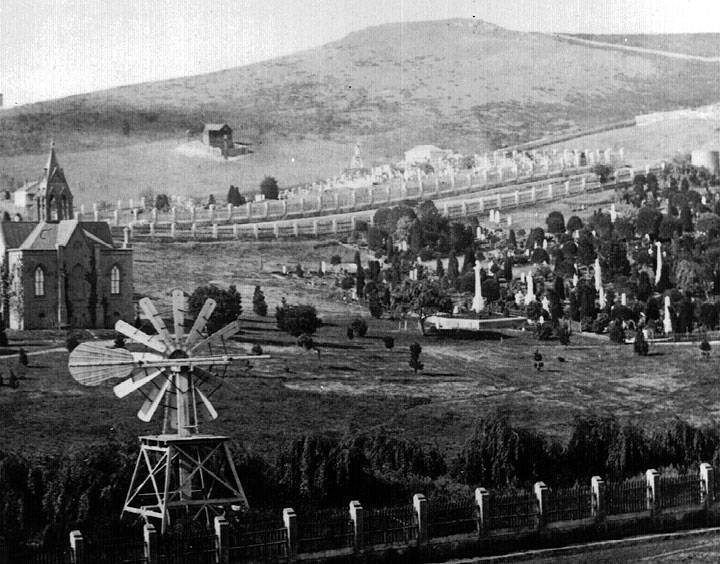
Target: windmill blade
pixel 212 413
pixel 226 331
pixel 151 404
pixel 200 322
pixel 135 382
pixel 96 362
pixel 178 303
pixel 152 314
pixel 136 335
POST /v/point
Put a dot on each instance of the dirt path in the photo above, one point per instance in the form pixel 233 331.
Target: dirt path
pixel 633 49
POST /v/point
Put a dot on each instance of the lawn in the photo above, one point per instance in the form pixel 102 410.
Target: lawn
pixel 356 385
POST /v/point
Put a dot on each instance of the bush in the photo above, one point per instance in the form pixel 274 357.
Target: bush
pixel 616 332
pixel 3 338
pixel 563 334
pixel 269 188
pixel 228 309
pixel 119 341
pixel 705 349
pixel 297 319
pixel 414 362
pixel 335 260
pixel 640 346
pixel 350 333
pixel 543 331
pixel 359 327
pixel 389 342
pixel 259 304
pixel 256 349
pixel 555 222
pixel 306 341
pixel 347 283
pixel 23 357
pixel 72 341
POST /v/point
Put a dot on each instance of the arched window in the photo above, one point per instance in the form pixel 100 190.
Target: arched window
pixel 39 282
pixel 115 280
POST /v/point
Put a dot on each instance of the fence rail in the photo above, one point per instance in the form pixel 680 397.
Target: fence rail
pixel 219 228
pixel 192 549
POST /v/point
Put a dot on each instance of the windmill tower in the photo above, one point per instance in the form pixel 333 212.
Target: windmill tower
pixel 180 472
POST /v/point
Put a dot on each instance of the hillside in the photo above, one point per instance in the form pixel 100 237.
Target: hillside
pixel 460 83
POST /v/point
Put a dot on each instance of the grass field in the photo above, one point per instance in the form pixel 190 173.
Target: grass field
pixel 356 385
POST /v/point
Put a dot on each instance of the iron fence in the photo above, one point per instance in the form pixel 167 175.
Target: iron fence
pixel 30 554
pixel 325 530
pixel 390 525
pixel 679 490
pixel 187 549
pixel 568 504
pixel 262 545
pixel 446 519
pixel 515 510
pixel 629 496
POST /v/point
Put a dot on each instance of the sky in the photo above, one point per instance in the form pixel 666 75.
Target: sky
pixel 55 48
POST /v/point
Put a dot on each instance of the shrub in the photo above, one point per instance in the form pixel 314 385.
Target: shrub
pixel 119 341
pixel 256 349
pixel 414 362
pixel 574 224
pixel 543 331
pixel 269 188
pixel 705 349
pixel 563 334
pixel 297 319
pixel 555 222
pixel 3 337
pixel 640 346
pixel 616 332
pixel 350 333
pixel 335 260
pixel 259 304
pixel 22 357
pixel 305 341
pixel 347 283
pixel 389 342
pixel 359 326
pixel 72 341
pixel 228 309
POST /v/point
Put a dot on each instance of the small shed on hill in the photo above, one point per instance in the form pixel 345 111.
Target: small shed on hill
pixel 214 135
pixel 425 154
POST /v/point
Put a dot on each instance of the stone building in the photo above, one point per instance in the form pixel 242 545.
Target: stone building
pixel 61 272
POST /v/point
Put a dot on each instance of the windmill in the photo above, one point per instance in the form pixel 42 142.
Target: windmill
pixel 180 471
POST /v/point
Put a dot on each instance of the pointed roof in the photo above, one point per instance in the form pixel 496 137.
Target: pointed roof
pixel 13 233
pixel 52 163
pixel 47 236
pixel 53 173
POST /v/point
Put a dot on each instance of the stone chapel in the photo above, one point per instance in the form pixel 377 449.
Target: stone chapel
pixel 58 271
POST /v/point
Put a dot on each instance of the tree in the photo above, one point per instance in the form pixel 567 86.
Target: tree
pixel 389 342
pixel 617 261
pixel 269 188
pixel 669 228
pixel 555 222
pixel 23 357
pixel 616 332
pixel 234 197
pixel 640 346
pixel 453 268
pixel 259 306
pixel 705 349
pixel 422 297
pixel 537 235
pixel 297 319
pixel 359 327
pixel 508 269
pixel 227 310
pixel 162 202
pixel 335 260
pixel 414 362
pixel 360 282
pixel 574 224
pixel 439 269
pixel 586 248
pixel 686 219
pixel 709 223
pixel 512 239
pixel 648 221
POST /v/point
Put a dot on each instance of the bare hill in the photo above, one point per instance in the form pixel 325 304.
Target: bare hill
pixel 460 82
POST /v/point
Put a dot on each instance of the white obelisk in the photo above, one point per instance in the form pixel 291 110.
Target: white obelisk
pixel 667 322
pixel 478 301
pixel 658 262
pixel 530 296
pixel 598 275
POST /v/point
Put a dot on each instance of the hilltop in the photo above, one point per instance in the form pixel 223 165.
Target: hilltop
pixel 465 84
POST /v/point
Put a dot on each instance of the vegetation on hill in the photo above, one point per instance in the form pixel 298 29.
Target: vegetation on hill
pixel 474 86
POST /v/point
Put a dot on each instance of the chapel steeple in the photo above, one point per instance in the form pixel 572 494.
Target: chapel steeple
pixel 54 200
